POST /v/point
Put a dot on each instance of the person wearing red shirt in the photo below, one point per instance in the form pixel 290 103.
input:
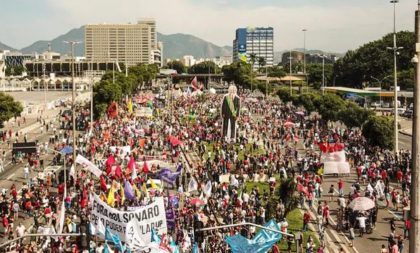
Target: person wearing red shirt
pixel 306 219
pixel 340 187
pixel 5 224
pixel 399 176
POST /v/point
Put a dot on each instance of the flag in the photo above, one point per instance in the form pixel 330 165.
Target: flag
pixel 107 249
pixel 109 236
pixel 195 248
pixel 145 167
pixel 155 236
pixel 130 106
pixel 113 110
pixel 111 199
pixel 194 84
pixel 128 191
pixel 192 185
pixel 134 174
pixel 72 171
pixel 62 217
pixel 207 189
pixel 137 191
pixel 145 191
pixel 153 184
pixel 131 164
pixel 174 247
pixel 261 243
pixel 122 194
pixel 88 165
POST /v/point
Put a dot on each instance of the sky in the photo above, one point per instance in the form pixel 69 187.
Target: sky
pixel 332 25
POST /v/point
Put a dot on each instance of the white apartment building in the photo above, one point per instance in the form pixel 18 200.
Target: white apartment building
pixel 124 43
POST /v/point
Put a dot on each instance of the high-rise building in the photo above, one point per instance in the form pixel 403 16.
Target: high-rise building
pixel 130 44
pixel 258 41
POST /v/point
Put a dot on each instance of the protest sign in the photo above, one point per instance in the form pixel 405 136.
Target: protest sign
pixel 88 165
pixel 152 216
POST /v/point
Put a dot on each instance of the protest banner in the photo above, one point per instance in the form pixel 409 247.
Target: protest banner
pixel 152 216
pixel 88 165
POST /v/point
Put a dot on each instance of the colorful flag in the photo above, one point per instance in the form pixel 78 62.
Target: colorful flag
pixel 122 194
pixel 113 110
pixel 155 236
pixel 192 185
pixel 145 191
pixel 128 191
pixel 111 199
pixel 194 84
pixel 130 106
pixel 207 189
pixel 145 167
pixel 153 184
pixel 109 236
pixel 195 248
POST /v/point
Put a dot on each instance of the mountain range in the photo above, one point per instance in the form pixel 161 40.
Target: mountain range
pixel 175 46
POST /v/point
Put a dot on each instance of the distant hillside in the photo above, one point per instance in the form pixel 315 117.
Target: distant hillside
pixel 174 45
pixel 178 45
pixel 58 44
pixel 6 47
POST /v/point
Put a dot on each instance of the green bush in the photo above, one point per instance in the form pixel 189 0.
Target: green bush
pixel 379 131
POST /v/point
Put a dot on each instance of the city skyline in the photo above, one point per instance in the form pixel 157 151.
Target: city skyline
pixel 332 25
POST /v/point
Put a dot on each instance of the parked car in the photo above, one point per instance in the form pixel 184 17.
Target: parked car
pixel 408 113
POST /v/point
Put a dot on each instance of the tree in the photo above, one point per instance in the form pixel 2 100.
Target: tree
pixel 354 116
pixel 104 93
pixel 239 73
pixel 16 70
pixel 329 106
pixel 379 131
pixel 276 71
pixel 374 60
pixel 252 59
pixel 176 65
pixel 261 63
pixel 315 74
pixel 9 108
pixel 307 101
pixel 206 67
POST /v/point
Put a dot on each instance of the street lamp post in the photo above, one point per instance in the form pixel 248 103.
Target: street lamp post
pixel 380 87
pixel 395 51
pixel 414 242
pixel 323 74
pixel 304 56
pixel 73 96
pixel 290 72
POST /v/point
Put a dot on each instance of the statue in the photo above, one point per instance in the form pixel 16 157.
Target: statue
pixel 230 112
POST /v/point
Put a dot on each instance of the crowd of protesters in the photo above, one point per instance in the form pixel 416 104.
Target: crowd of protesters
pixel 266 149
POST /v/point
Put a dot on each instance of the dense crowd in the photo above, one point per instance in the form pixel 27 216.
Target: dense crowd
pixel 276 143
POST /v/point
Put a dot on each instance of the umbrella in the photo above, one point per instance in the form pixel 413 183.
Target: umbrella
pixel 66 150
pixel 361 204
pixel 289 124
pixel 197 202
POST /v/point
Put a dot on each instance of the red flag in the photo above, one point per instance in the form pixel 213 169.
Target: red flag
pixel 131 164
pixel 103 183
pixel 194 84
pixel 113 110
pixel 118 172
pixel 145 167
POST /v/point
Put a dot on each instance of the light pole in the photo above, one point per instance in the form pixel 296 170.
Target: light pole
pixel 73 96
pixel 395 50
pixel 414 242
pixel 323 74
pixel 380 87
pixel 304 56
pixel 290 72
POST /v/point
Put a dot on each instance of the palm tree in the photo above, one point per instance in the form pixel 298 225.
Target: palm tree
pixel 261 62
pixel 252 59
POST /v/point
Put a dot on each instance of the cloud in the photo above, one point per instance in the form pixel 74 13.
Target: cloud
pixel 332 25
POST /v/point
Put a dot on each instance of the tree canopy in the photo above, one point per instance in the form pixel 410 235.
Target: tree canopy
pixel 373 61
pixel 9 108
